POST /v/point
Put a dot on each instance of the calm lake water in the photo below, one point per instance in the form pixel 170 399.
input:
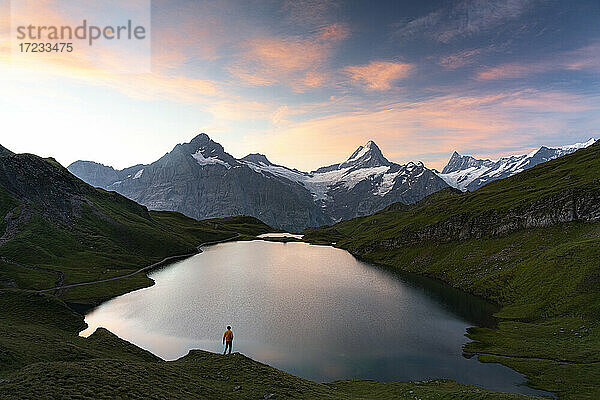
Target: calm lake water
pixel 314 311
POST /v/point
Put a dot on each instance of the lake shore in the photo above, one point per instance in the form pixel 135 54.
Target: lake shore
pixel 377 267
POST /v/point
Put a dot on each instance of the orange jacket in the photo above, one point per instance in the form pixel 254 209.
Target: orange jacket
pixel 228 335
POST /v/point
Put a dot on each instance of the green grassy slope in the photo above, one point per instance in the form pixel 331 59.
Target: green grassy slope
pixel 530 243
pixel 59 230
pixel 42 357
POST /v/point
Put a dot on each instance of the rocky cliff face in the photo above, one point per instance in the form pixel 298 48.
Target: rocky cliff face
pixel 569 206
pixel 201 180
pixel 98 175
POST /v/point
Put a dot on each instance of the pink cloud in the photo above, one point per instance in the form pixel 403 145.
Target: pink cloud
pixel 509 71
pixel 300 62
pixel 271 60
pixel 378 75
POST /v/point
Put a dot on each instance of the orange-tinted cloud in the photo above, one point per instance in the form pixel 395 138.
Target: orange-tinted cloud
pixel 300 62
pixel 270 60
pixel 314 79
pixel 378 75
pixel 94 66
pixel 508 71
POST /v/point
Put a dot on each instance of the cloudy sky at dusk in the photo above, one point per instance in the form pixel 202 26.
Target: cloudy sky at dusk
pixel 306 82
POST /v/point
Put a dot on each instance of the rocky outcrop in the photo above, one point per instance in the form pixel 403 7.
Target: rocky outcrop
pixel 458 162
pixel 568 206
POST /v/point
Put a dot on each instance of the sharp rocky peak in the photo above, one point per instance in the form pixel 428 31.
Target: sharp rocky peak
pixel 366 156
pixel 459 162
pixel 203 141
pixel 203 149
pixel 203 144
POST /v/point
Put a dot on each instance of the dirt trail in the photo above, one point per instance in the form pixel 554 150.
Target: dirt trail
pixel 60 275
pixel 61 287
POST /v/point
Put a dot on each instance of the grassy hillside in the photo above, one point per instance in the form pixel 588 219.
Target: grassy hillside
pixel 59 230
pixel 530 243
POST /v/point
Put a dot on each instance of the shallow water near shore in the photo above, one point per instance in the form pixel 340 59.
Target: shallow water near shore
pixel 313 311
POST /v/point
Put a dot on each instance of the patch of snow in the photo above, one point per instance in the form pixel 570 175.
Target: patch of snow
pixel 462 178
pixel 387 183
pixel 319 183
pixel 277 170
pixel 199 157
pixel 138 174
pixel 360 153
pixel 577 146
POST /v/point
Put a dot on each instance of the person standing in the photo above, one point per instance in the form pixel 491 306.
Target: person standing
pixel 228 340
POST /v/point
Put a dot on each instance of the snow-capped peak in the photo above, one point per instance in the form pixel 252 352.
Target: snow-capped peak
pixel 366 156
pixel 578 146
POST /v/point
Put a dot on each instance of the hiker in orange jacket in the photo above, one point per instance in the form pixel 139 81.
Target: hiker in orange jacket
pixel 228 340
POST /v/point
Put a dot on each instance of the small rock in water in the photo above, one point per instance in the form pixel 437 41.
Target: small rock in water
pixel 235 389
pixel 269 396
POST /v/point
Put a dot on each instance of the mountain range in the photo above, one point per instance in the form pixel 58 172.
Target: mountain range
pixel 468 173
pixel 201 180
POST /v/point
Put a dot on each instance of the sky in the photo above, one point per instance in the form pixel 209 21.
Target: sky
pixel 306 82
